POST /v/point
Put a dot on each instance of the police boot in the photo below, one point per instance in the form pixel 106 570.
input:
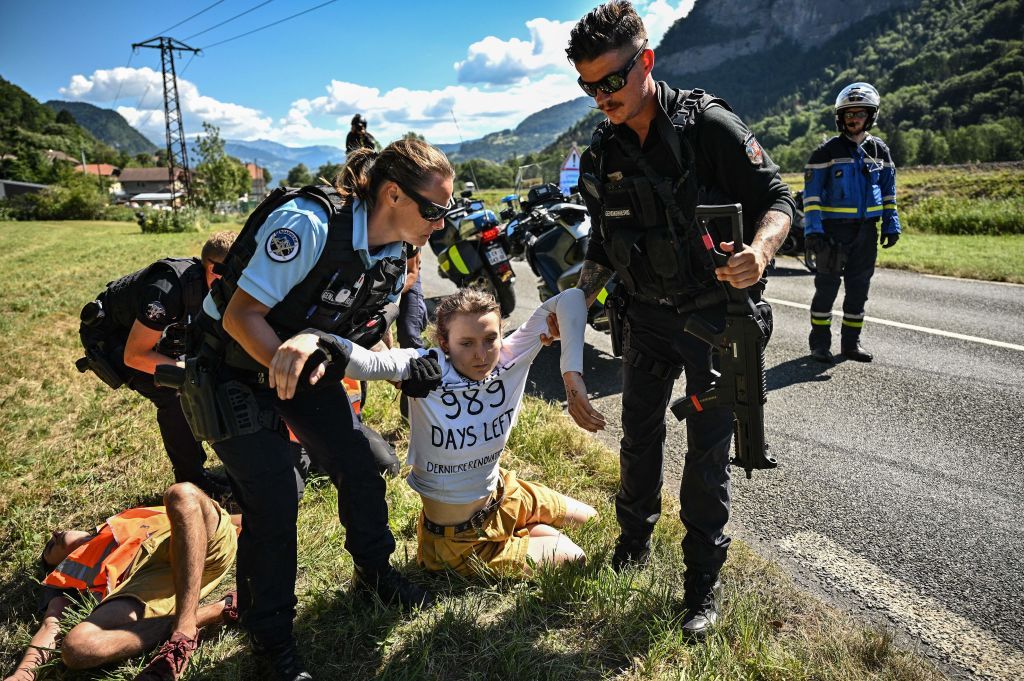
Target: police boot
pixel 701 594
pixel 283 658
pixel 819 340
pixel 631 551
pixel 850 343
pixel 390 586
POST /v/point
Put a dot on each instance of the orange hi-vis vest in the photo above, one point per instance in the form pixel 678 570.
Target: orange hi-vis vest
pixel 101 562
pixel 355 398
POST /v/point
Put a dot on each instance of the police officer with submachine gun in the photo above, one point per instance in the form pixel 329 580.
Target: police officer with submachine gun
pixel 139 323
pixel 676 184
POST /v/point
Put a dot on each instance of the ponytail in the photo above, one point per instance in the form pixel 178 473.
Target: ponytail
pixel 408 162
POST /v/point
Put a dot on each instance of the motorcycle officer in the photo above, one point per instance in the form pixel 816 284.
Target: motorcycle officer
pixel 849 183
pixel 329 261
pixel 660 152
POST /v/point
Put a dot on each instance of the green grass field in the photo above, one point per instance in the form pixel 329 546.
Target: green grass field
pixel 73 452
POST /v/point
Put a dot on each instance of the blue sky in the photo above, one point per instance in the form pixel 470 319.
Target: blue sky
pixel 403 64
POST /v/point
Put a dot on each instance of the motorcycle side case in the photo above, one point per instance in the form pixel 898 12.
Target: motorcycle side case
pixel 459 261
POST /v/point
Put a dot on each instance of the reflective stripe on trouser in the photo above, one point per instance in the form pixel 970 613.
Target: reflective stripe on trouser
pixel 260 467
pixel 860 242
pixel 704 493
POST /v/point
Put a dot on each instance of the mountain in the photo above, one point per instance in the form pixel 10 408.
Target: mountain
pixel 30 132
pixel 106 125
pixel 278 158
pixel 951 75
pixel 535 132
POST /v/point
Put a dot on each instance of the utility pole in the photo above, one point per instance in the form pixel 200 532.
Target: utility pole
pixel 177 151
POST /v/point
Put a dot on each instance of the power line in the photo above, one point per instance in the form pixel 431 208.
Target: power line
pixel 240 14
pixel 121 84
pixel 279 21
pixel 187 64
pixel 166 30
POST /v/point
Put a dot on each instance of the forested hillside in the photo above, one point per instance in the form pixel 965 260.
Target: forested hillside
pixel 28 129
pixel 951 77
pixel 107 126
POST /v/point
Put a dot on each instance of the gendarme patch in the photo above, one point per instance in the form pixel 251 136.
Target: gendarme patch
pixel 283 245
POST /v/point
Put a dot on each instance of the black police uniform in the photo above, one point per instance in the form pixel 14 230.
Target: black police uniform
pixel 719 162
pixel 340 296
pixel 359 140
pixel 168 292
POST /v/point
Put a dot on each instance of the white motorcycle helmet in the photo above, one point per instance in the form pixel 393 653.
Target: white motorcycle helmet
pixel 861 96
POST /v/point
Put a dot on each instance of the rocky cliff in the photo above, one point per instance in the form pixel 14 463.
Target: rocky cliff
pixel 719 30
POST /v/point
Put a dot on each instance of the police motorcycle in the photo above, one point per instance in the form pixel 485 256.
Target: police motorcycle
pixel 552 232
pixel 473 251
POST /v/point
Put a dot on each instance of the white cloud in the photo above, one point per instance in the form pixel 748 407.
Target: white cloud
pixel 501 62
pixel 145 87
pixel 325 119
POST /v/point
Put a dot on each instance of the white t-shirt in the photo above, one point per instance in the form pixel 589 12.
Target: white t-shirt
pixel 457 432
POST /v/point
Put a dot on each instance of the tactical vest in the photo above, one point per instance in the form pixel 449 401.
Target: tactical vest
pixel 648 225
pixel 100 563
pixel 123 297
pixel 338 295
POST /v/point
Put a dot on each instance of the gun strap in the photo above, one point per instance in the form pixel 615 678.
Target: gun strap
pixel 655 367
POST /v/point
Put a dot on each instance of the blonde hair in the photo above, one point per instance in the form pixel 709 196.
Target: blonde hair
pixel 465 300
pixel 217 246
pixel 408 162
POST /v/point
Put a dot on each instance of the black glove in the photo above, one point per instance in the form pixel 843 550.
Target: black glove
pixel 424 376
pixel 814 243
pixel 889 240
pixel 331 352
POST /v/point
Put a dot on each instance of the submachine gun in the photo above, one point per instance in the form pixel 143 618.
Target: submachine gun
pixel 739 347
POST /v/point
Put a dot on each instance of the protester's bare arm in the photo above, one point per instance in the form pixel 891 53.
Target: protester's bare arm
pixel 593 277
pixel 43 644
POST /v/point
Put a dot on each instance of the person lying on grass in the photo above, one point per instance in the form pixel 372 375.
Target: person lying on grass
pixel 477 517
pixel 149 567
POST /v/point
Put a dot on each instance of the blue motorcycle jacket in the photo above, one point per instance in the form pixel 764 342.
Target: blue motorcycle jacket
pixel 847 181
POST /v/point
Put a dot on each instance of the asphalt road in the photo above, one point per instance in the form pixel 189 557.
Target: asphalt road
pixel 899 491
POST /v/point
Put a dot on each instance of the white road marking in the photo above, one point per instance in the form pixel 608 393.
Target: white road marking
pixel 973 281
pixel 911 327
pixel 959 639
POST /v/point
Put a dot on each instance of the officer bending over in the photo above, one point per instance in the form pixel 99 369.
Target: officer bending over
pixel 661 152
pixel 331 261
pixel 850 182
pixel 140 322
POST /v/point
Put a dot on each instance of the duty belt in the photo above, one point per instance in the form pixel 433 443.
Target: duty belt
pixel 475 522
pixel 686 303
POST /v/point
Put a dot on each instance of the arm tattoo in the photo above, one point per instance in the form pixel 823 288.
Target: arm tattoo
pixel 593 277
pixel 771 232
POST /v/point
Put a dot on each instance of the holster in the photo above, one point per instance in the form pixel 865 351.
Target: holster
pixel 217 409
pixel 831 259
pixel 99 363
pixel 615 308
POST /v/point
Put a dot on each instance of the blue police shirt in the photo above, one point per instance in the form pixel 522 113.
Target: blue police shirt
pixel 290 242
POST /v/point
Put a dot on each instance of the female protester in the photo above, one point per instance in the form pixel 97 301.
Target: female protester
pixel 332 260
pixel 475 514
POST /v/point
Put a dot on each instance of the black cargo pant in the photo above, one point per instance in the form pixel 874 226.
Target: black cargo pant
pixel 656 333
pixel 187 456
pixel 412 317
pixel 858 240
pixel 260 468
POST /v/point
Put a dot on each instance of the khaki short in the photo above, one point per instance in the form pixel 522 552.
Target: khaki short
pixel 503 548
pixel 150 579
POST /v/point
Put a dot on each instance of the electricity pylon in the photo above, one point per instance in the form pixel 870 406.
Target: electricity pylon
pixel 177 151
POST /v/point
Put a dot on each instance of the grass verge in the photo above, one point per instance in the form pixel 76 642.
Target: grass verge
pixel 73 452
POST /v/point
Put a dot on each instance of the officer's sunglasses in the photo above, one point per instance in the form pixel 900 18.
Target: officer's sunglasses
pixel 855 115
pixel 613 82
pixel 429 211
